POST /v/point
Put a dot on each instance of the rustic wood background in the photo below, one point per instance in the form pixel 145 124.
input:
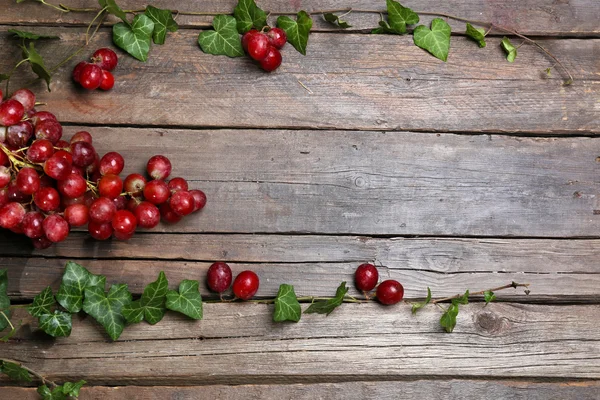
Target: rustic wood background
pixel 466 174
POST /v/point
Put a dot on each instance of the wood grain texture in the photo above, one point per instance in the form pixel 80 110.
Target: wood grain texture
pixel 435 390
pixel 375 183
pixel 537 17
pixel 558 270
pixel 403 88
pixel 239 344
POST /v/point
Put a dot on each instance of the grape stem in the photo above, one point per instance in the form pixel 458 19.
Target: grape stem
pixel 513 285
pixel 14 160
pixel 32 372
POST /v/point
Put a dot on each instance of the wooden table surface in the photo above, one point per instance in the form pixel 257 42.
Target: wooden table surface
pixel 460 175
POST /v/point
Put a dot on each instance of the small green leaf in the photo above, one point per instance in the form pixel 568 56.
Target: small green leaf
pixel 464 299
pixel 4 300
pixel 477 34
pixel 224 40
pixel 56 393
pixel 448 319
pixel 548 72
pixel 400 16
pixel 335 20
pixel 248 15
pixel 74 282
pixel 327 306
pixel 42 303
pixel 489 296
pixel 15 372
pixel 30 35
pixel 112 8
pixel 417 306
pixel 435 40
pixel 152 304
pixel 58 324
pixel 72 388
pixel 297 31
pixel 106 308
pixel 287 307
pixel 37 63
pixel 511 51
pixel 135 39
pixel 163 21
pixel 188 301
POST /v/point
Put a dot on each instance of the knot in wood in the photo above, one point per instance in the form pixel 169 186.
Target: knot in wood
pixel 491 322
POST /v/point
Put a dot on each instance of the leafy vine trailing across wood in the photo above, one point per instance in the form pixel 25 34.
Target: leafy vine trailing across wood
pixel 151 24
pixel 81 290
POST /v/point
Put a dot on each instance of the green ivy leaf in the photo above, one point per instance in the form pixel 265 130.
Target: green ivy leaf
pixel 188 301
pixel 477 34
pixel 248 15
pixel 37 63
pixel 224 40
pixel 163 21
pixel 42 303
pixel 287 307
pixel 384 27
pixel 74 282
pixel 327 306
pixel 112 8
pixel 152 304
pixel 30 35
pixel 56 393
pixel 58 324
pixel 464 299
pixel 511 51
pixel 435 40
pixel 106 308
pixel 448 318
pixel 400 16
pixel 335 20
pixel 297 31
pixel 135 39
pixel 4 300
pixel 15 372
pixel 72 388
pixel 417 306
pixel 489 296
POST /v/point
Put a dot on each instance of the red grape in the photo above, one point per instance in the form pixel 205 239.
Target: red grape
pixel 100 231
pixel 41 243
pixel 3 157
pixel 40 150
pixel 11 112
pixel 18 135
pixel 47 199
pixel 124 222
pixel 390 292
pixel 5 176
pixel 247 37
pixel 120 202
pixel 56 228
pixel 159 167
pixel 25 97
pixel 277 37
pixel 32 224
pixel 147 215
pixel 182 203
pixel 41 116
pixel 134 184
pixel 176 184
pixel 199 199
pixel 110 186
pixel 258 46
pixel 81 136
pixel 105 58
pixel 77 214
pixel 57 166
pixel 74 185
pixel 168 215
pixel 28 181
pixel 108 81
pixel 366 277
pixel 111 163
pixel 48 129
pixel 245 285
pixel 83 153
pixel 11 215
pixel 102 210
pixel 218 277
pixel 272 60
pixel 77 71
pixel 156 192
pixel 14 194
pixel 90 76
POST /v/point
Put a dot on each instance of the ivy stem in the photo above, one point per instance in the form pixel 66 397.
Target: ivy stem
pixel 13 70
pixel 513 285
pixel 12 327
pixel 32 372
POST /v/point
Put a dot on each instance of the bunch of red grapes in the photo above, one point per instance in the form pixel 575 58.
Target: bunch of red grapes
pixel 97 75
pixel 48 185
pixel 264 47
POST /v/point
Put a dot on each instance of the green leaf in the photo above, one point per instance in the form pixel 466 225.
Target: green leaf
pixel 435 40
pixel 30 35
pixel 37 63
pixel 287 307
pixel 248 15
pixel 417 306
pixel 112 8
pixel 15 372
pixel 477 34
pixel 511 51
pixel 163 21
pixel 188 301
pixel 335 20
pixel 56 393
pixel 42 303
pixel 297 31
pixel 448 319
pixel 224 40
pixel 72 388
pixel 464 299
pixel 135 39
pixel 74 282
pixel 152 304
pixel 106 308
pixel 400 16
pixel 4 300
pixel 489 296
pixel 384 27
pixel 327 306
pixel 56 325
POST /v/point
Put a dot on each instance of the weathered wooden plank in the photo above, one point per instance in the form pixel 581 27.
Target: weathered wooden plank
pixel 558 270
pixel 376 183
pixel 238 344
pixel 431 389
pixel 403 88
pixel 539 17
